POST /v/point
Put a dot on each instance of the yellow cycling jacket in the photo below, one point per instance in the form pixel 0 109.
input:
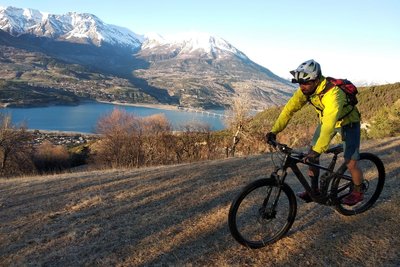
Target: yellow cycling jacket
pixel 332 108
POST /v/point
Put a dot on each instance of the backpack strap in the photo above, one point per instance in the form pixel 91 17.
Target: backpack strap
pixel 329 85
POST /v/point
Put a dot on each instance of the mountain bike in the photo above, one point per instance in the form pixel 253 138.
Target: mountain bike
pixel 265 209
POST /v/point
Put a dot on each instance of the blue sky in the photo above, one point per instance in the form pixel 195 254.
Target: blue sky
pixel 354 39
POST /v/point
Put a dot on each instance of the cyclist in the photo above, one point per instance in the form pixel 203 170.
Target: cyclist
pixel 335 115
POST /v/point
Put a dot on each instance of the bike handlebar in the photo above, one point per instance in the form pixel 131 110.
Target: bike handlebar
pixel 285 148
pixel 299 156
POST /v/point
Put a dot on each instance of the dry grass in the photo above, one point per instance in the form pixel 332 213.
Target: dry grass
pixel 177 215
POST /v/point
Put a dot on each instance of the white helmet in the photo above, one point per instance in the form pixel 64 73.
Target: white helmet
pixel 307 71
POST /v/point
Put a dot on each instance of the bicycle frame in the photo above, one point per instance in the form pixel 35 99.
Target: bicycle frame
pixel 265 209
pixel 291 162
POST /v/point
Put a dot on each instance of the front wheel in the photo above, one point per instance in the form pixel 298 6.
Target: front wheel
pixel 373 180
pixel 262 213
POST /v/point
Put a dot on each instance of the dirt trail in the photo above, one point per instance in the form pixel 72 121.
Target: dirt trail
pixel 177 215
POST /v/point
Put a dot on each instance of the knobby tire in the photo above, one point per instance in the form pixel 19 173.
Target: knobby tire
pixel 374 180
pixel 248 222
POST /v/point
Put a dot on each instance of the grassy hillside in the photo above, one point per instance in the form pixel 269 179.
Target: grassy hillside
pixel 374 99
pixel 177 216
pixel 379 107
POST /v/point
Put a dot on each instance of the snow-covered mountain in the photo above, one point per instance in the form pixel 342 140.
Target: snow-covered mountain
pixel 207 61
pixel 190 43
pixel 189 69
pixel 87 28
pixel 74 27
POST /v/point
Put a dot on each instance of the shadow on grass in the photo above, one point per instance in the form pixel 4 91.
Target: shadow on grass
pixel 173 215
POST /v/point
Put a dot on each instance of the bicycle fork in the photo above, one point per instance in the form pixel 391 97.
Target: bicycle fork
pixel 269 211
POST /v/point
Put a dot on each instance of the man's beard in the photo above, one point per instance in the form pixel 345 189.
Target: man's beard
pixel 309 92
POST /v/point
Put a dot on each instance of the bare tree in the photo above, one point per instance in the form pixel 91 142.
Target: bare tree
pixel 15 147
pixel 157 131
pixel 237 118
pixel 120 145
pixel 131 141
pixel 191 141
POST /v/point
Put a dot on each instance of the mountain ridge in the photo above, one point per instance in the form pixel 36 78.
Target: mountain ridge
pixel 70 26
pixel 191 69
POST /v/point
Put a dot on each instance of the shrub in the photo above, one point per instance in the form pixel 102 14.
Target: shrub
pixel 15 148
pixel 122 141
pixel 51 158
pixel 130 141
pixel 386 122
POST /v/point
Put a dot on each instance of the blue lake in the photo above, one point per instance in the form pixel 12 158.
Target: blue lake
pixel 83 118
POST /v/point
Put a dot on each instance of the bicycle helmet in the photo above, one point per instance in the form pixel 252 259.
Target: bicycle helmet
pixel 307 71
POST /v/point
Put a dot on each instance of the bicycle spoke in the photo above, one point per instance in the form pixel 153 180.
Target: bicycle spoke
pixel 373 180
pixel 261 216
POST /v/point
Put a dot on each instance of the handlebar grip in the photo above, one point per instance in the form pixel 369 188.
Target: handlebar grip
pixel 272 143
pixel 285 148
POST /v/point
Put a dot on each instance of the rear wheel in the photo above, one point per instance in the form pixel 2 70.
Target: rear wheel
pixel 262 213
pixel 374 179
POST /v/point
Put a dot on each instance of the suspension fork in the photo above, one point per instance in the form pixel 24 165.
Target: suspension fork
pixel 279 182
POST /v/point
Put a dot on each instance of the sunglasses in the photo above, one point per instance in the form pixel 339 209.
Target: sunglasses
pixel 302 82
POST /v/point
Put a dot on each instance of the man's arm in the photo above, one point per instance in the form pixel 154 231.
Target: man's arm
pixel 333 102
pixel 295 103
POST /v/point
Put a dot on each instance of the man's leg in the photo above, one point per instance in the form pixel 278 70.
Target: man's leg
pixel 351 138
pixel 355 171
pixel 313 172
